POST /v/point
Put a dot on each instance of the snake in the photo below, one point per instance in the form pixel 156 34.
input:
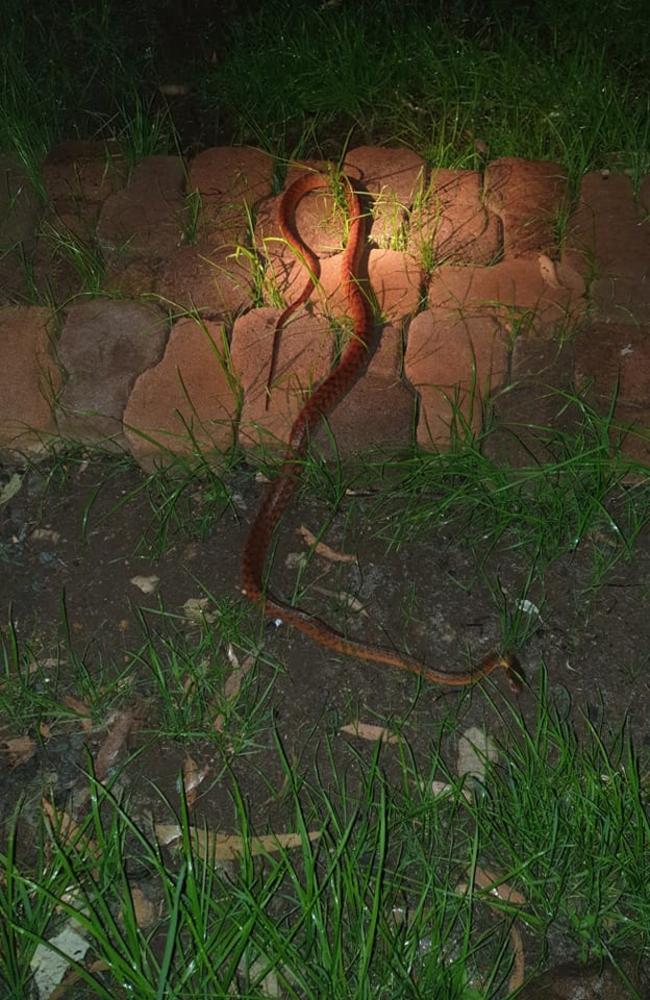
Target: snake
pixel 322 401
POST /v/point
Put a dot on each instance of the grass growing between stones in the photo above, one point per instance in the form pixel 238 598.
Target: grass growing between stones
pixel 378 892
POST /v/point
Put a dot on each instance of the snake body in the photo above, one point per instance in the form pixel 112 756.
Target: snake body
pixel 321 402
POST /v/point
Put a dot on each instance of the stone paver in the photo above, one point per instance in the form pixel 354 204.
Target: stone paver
pixel 147 216
pixel 29 379
pixel 394 279
pixel 529 196
pixel 396 282
pixel 78 174
pixel 319 221
pixel 454 363
pixel 593 981
pixel 78 178
pixel 378 414
pixel 614 358
pixel 609 240
pixel 104 346
pixel 612 361
pixel 320 224
pixel 534 407
pixel 126 277
pixel 619 299
pixel 230 181
pixel 214 283
pixel 186 404
pixel 631 431
pixel 393 176
pixel 303 359
pixel 387 358
pixel 452 225
pixel 506 318
pixel 515 290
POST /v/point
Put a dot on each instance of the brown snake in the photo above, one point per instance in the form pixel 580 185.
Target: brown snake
pixel 321 402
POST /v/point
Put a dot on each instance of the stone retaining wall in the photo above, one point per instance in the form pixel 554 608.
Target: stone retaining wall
pixel 165 284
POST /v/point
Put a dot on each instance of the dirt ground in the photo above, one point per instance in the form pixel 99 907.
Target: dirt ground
pixel 73 541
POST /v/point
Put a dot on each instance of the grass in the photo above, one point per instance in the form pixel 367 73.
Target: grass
pixel 178 668
pixel 543 510
pixel 414 76
pixel 177 505
pixel 366 905
pixel 83 256
pixel 549 83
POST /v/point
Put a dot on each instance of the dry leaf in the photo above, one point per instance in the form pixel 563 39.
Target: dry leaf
pixel 174 89
pixel 475 750
pixel 49 967
pixel 62 822
pixel 45 535
pixel 348 600
pixel 193 775
pixel 233 684
pixel 323 550
pixel 195 610
pixel 112 745
pixel 528 608
pixel 147 584
pixel 234 680
pixel 145 911
pixel 441 787
pixel 518 973
pixel 227 847
pixel 19 750
pixel 491 881
pixel 73 977
pixel 81 709
pixel 487 879
pixel 67 828
pixel 268 986
pixel 295 560
pixel 368 732
pixel 10 489
pixel 548 271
